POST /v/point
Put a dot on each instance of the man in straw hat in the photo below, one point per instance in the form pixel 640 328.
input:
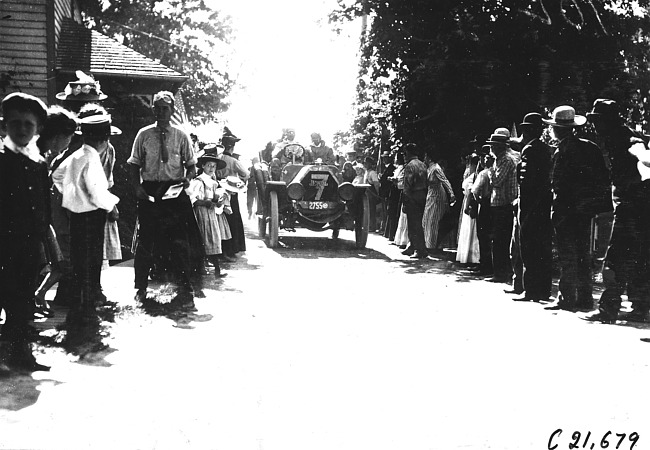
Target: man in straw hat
pixel 626 261
pixel 579 178
pixel 535 199
pixel 234 168
pixel 84 188
pixel 503 180
pixel 163 156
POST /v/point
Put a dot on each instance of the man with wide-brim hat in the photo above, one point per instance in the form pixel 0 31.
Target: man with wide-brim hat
pixel 85 193
pixel 625 268
pixel 534 216
pixel 234 168
pixel 581 189
pixel 503 181
pixel 163 155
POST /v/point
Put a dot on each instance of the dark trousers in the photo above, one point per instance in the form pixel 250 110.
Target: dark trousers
pixel 19 268
pixel 536 231
pixel 628 257
pixel 484 235
pixel 573 246
pixel 501 237
pixel 86 256
pixel 414 207
pixel 164 227
pixel 393 208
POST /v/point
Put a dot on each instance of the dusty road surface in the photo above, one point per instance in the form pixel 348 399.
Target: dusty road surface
pixel 319 346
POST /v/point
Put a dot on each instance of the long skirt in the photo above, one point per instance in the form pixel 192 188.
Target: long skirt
pixel 468 251
pixel 224 228
pixel 206 219
pixel 434 210
pixel 112 245
pixel 402 233
pixel 238 242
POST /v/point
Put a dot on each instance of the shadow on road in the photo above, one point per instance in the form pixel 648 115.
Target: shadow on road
pixel 166 301
pixel 312 247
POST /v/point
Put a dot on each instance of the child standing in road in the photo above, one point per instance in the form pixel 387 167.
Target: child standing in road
pixel 24 223
pixel 207 204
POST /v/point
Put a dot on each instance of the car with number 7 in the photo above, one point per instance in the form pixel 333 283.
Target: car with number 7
pixel 313 196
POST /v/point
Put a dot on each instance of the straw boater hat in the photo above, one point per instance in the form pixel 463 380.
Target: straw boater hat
pixel 565 116
pixel 96 122
pixel 84 89
pixel 233 184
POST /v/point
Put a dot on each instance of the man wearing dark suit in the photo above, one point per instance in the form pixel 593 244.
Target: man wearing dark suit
pixel 580 182
pixel 535 211
pixel 626 263
pixel 415 197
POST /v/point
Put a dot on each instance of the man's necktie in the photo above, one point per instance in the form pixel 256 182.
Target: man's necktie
pixel 164 153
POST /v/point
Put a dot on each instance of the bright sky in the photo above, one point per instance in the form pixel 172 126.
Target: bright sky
pixel 295 70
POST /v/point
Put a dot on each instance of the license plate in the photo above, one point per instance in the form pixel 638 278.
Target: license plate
pixel 317 205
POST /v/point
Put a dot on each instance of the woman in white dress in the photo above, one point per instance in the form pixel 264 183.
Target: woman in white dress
pixel 468 249
pixel 401 235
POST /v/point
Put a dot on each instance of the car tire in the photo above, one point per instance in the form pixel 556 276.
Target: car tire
pixel 274 224
pixel 261 226
pixel 362 223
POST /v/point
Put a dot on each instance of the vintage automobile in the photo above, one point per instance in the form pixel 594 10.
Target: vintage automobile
pixel 312 196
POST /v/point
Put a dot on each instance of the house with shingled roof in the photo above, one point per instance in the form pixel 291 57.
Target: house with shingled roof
pixel 42 45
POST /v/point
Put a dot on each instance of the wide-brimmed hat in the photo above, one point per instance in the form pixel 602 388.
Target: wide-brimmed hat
pixel 498 138
pixel 84 89
pixel 228 139
pixel 96 122
pixel 532 119
pixel 565 116
pixel 204 156
pixel 604 109
pixel 233 184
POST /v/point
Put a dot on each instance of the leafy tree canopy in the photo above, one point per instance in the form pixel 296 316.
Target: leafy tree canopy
pixel 455 68
pixel 185 35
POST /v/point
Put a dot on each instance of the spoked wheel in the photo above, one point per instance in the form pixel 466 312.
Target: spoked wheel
pixel 362 224
pixel 274 224
pixel 261 226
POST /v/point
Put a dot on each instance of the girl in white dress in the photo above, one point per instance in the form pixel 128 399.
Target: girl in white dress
pixel 207 203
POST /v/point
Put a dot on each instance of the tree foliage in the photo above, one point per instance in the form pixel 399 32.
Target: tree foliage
pixel 461 67
pixel 185 35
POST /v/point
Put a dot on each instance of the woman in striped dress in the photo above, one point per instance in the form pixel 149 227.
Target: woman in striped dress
pixel 439 196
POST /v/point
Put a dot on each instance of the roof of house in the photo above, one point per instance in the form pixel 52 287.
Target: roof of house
pixel 83 49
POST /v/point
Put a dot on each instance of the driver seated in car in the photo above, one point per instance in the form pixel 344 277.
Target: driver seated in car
pixel 288 137
pixel 281 155
pixel 318 150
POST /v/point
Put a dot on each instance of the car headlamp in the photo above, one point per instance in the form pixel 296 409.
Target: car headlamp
pixel 295 191
pixel 346 191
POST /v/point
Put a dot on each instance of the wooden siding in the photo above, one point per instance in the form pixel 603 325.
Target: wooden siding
pixel 23 53
pixel 62 8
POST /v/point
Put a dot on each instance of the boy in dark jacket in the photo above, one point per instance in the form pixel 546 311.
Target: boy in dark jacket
pixel 24 220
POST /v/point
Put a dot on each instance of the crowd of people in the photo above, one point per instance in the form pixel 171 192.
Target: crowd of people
pixel 522 197
pixel 58 217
